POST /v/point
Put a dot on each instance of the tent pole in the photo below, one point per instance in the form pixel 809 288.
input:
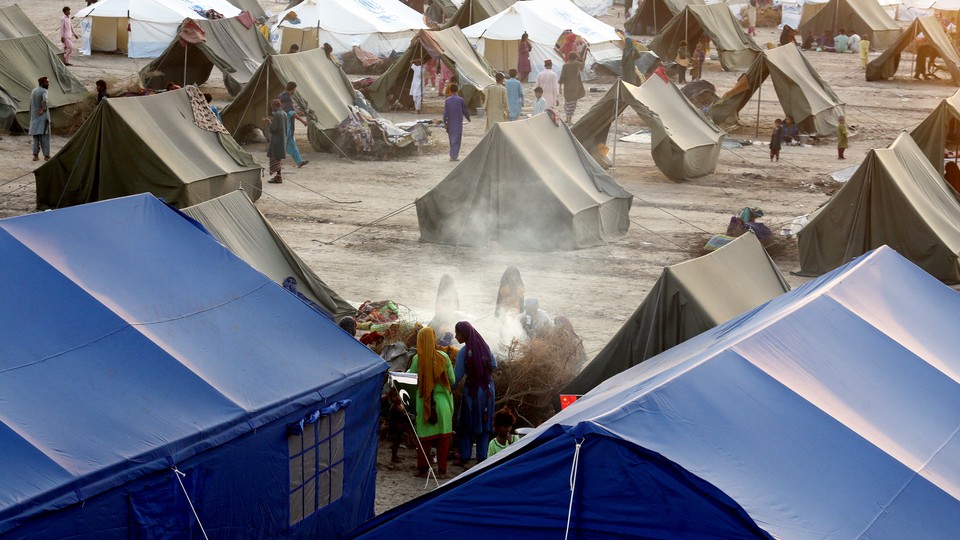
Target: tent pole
pixel 759 95
pixel 616 123
pixel 186 53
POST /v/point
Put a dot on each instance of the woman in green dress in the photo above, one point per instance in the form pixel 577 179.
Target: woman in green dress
pixel 434 401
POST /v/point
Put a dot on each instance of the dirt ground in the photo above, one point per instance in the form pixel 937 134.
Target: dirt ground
pixel 325 209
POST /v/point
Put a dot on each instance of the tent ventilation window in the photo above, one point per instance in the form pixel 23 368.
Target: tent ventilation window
pixel 316 463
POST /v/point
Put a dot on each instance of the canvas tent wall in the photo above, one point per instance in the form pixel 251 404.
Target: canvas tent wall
pixel 802 93
pixel 812 412
pixel 251 6
pixel 380 27
pixel 886 65
pixel 24 60
pixel 498 37
pixel 14 23
pixel 932 134
pixel 594 8
pixel 237 223
pixel 164 368
pixel 736 49
pixel 449 46
pixel 527 185
pixel 685 143
pixel 895 198
pixel 149 144
pixel 237 49
pixel 688 299
pixel 323 91
pixel 473 11
pixel 142 28
pixel 863 16
pixel 652 15
pixel 793 13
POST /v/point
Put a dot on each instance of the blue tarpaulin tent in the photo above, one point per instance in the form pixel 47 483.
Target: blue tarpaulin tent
pixel 829 412
pixel 134 345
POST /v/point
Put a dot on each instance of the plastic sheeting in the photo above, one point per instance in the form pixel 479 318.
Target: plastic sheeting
pixel 377 26
pixel 225 44
pixel 895 198
pixel 811 101
pixel 736 49
pixel 688 299
pixel 136 343
pixel 685 143
pixel 885 66
pixel 152 23
pixel 147 144
pixel 498 37
pixel 527 185
pixel 237 223
pixel 829 412
pixel 867 16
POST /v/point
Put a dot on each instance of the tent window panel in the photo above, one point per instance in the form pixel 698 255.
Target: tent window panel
pixel 316 465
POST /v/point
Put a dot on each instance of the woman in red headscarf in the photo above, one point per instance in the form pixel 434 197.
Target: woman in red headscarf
pixel 475 365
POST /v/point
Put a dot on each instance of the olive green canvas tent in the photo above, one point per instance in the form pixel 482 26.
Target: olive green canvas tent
pixel 802 93
pixel 685 143
pixel 474 11
pixel 237 223
pixel 323 92
pixel 527 185
pixel 736 49
pixel 652 15
pixel 886 65
pixel 931 134
pixel 200 45
pixel 862 16
pixel 22 62
pixel 449 46
pixel 14 23
pixel 8 109
pixel 149 144
pixel 895 198
pixel 688 299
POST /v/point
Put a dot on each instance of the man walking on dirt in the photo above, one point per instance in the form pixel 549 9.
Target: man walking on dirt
pixel 67 35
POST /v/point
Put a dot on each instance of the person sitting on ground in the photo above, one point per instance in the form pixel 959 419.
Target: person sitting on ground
pixel 841 43
pixel 826 40
pixel 503 422
pixel 791 131
pixel 809 41
pixel 952 176
pixel 102 91
pixel 854 41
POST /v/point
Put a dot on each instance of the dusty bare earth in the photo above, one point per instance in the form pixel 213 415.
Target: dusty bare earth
pixel 324 210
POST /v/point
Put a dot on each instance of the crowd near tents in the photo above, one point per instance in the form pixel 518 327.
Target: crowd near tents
pixel 169 144
pixel 796 410
pixel 685 143
pixel 486 198
pixel 130 422
pixel 235 46
pixel 142 28
pixel 171 367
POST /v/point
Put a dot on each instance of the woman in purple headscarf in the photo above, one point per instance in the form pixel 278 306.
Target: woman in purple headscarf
pixel 475 364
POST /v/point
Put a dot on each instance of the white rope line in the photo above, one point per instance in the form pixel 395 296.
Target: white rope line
pixel 573 486
pixel 179 475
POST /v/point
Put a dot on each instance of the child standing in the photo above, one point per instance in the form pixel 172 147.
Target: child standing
pixel 696 63
pixel 864 45
pixel 776 139
pixel 682 61
pixel 540 105
pixel 841 137
pixel 503 422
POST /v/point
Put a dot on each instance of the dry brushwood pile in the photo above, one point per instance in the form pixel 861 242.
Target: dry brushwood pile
pixel 529 379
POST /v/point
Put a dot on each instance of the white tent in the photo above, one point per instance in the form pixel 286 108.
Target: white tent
pixel 498 37
pixel 377 26
pixel 143 28
pixel 596 8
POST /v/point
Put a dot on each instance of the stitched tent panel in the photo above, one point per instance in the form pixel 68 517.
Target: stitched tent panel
pixel 685 143
pixel 449 46
pixel 864 16
pixel 886 65
pixel 527 185
pixel 237 51
pixel 147 144
pixel 895 198
pixel 737 50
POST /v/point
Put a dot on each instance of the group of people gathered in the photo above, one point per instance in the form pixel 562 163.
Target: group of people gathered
pixel 440 369
pixel 787 131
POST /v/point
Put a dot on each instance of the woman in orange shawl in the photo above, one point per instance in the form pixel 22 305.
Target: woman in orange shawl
pixel 434 401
